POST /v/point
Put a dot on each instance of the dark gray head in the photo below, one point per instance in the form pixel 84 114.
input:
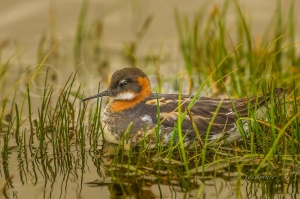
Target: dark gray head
pixel 126 84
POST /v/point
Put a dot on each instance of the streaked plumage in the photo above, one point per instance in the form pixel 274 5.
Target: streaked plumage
pixel 134 110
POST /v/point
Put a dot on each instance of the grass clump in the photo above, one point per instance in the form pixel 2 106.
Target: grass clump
pixel 206 40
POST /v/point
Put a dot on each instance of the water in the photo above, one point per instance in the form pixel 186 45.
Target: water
pixel 89 173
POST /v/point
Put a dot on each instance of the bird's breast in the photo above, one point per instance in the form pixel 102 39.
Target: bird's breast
pixel 132 120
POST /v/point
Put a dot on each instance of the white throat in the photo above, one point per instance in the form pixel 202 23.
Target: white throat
pixel 125 96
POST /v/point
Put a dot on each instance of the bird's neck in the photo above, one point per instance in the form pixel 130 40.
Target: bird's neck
pixel 120 105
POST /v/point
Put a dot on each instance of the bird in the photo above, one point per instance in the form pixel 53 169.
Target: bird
pixel 137 115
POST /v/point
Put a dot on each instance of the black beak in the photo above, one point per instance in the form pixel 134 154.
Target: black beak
pixel 102 94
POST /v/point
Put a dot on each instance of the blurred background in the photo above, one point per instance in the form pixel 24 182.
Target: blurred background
pixel 97 37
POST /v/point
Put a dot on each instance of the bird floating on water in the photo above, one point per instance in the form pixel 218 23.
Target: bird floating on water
pixel 133 112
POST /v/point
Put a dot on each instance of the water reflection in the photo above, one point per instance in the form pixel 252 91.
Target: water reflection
pixel 110 172
pixel 149 180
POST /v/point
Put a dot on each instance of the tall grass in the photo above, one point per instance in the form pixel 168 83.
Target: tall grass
pixel 251 68
pixel 79 33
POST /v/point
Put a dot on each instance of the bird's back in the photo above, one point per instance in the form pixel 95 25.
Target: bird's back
pixel 207 116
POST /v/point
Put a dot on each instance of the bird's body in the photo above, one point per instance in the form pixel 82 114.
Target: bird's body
pixel 133 114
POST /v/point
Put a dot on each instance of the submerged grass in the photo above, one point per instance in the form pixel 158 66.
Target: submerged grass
pixel 64 125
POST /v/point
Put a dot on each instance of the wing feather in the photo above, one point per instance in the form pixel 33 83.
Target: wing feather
pixel 217 115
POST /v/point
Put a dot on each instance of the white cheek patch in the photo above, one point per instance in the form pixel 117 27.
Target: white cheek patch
pixel 125 96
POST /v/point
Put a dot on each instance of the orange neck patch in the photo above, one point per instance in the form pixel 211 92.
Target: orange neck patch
pixel 120 105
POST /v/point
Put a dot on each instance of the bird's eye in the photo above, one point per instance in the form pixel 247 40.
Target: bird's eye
pixel 122 83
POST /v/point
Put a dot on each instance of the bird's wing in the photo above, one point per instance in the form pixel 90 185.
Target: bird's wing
pixel 206 115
